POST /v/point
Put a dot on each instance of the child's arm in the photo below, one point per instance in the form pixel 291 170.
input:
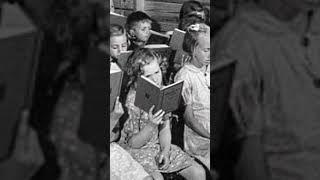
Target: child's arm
pixel 141 138
pixel 165 143
pixel 193 124
pixel 165 136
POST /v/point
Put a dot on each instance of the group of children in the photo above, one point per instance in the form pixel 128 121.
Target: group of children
pixel 143 142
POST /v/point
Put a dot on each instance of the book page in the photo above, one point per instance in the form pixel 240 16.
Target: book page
pixel 123 59
pixel 117 19
pixel 19 62
pixel 115 85
pixel 171 96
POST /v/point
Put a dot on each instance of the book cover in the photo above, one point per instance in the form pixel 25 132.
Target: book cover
pixel 177 39
pixel 117 19
pixel 115 84
pixel 166 98
pixel 123 59
pixel 19 61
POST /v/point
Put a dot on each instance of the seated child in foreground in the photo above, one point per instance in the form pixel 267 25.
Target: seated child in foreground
pixel 146 135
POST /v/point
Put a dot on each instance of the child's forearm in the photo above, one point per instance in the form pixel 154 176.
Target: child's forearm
pixel 140 139
pixel 165 137
pixel 193 124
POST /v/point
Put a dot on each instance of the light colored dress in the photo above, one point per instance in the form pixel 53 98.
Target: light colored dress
pixel 123 166
pixel 146 154
pixel 196 93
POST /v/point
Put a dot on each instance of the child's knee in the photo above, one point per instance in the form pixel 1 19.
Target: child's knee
pixel 198 171
pixel 148 178
pixel 157 176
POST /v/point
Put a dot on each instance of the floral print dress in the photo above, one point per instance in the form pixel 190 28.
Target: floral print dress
pixel 146 155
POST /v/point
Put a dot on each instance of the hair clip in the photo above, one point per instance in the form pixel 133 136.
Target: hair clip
pixel 194 27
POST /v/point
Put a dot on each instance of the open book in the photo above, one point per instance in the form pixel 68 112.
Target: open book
pixel 20 44
pixel 123 59
pixel 177 38
pixel 117 19
pixel 158 38
pixel 115 83
pixel 166 98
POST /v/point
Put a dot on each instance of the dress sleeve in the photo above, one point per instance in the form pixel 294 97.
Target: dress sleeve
pixel 187 88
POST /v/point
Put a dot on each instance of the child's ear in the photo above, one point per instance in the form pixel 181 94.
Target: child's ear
pixel 131 34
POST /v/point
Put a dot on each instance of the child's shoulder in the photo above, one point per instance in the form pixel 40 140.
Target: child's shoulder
pixel 186 71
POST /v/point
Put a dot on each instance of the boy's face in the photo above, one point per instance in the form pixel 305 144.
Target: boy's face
pixel 142 31
pixel 117 45
pixel 202 51
pixel 153 72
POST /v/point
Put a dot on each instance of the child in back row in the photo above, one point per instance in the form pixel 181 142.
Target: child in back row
pixel 138 26
pixel 196 92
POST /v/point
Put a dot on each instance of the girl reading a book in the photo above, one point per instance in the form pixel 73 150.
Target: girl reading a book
pixel 147 135
pixel 118 41
pixel 196 92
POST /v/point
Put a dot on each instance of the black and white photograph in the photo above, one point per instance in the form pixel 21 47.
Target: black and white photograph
pixel 159 90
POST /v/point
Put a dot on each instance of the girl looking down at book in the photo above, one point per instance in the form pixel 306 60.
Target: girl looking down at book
pixel 147 135
pixel 196 92
pixel 118 41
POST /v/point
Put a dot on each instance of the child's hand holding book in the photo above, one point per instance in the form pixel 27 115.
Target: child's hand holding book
pixel 155 119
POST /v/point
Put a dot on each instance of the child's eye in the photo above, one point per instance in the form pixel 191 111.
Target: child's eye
pixel 206 50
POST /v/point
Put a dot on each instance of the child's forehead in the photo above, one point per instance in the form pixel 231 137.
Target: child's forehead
pixel 204 40
pixel 118 38
pixel 145 22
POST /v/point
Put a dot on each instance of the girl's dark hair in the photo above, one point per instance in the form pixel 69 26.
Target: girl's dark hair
pixel 189 20
pixel 137 60
pixel 189 7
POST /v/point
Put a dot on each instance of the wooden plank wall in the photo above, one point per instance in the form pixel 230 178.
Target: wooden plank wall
pixel 165 12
